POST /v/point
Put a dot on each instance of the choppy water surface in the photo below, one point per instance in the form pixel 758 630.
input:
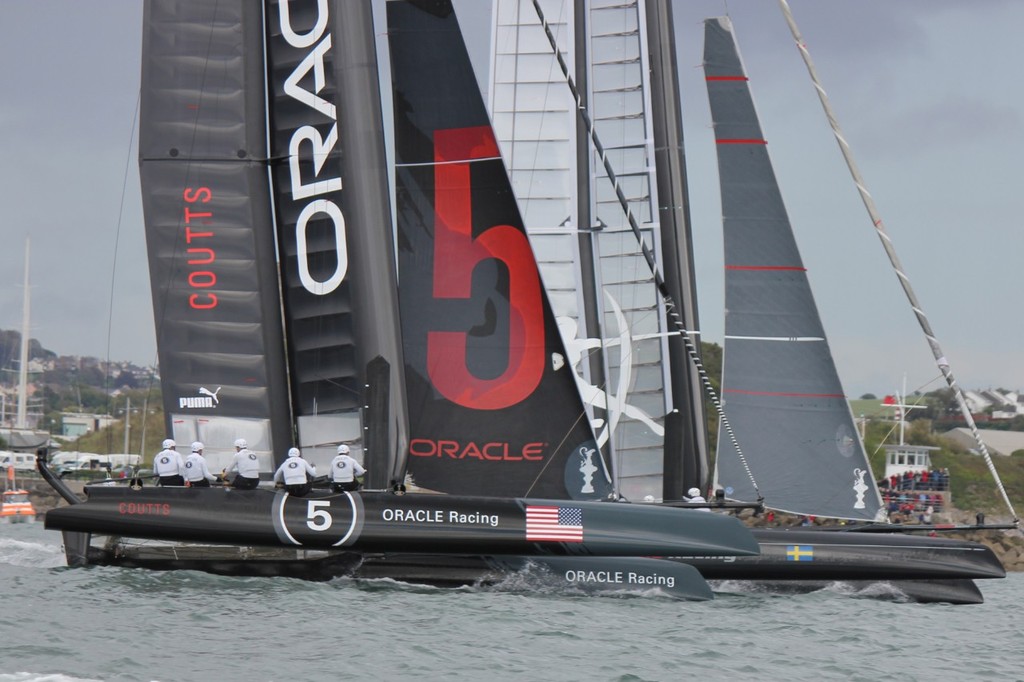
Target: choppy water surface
pixel 62 625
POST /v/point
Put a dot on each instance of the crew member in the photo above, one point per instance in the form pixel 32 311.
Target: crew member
pixel 245 465
pixel 693 496
pixel 197 474
pixel 344 470
pixel 296 474
pixel 168 465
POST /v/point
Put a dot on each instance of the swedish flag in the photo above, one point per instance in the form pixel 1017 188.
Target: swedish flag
pixel 799 553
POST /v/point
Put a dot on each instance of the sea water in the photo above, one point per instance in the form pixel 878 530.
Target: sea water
pixel 59 624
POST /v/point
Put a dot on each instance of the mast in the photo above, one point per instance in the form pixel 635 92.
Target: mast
pixel 21 420
pixel 334 223
pixel 596 363
pixel 686 446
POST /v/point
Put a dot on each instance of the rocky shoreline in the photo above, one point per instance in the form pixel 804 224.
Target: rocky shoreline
pixel 1008 545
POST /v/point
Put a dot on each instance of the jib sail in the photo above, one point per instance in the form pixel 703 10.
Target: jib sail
pixel 493 400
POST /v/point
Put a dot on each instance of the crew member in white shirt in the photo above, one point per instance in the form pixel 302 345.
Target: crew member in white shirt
pixel 344 470
pixel 246 467
pixel 197 474
pixel 296 474
pixel 168 465
pixel 693 496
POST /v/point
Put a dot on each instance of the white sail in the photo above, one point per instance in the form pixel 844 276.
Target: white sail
pixel 592 264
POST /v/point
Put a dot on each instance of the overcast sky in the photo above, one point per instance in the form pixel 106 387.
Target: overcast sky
pixel 927 91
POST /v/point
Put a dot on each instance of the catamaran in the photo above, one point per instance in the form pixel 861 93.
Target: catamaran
pixel 313 364
pixel 465 378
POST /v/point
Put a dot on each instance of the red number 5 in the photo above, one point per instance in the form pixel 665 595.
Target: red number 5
pixel 456 254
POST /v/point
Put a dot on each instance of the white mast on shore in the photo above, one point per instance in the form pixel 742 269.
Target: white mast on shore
pixel 21 420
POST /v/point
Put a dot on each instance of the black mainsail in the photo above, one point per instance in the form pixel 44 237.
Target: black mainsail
pixel 202 153
pixel 265 328
pixel 333 211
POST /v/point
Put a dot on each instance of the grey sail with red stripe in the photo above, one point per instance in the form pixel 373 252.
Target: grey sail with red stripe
pixel 780 388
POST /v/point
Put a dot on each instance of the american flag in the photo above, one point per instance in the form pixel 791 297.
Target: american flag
pixel 554 524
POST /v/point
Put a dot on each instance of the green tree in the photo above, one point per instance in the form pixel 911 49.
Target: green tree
pixel 711 358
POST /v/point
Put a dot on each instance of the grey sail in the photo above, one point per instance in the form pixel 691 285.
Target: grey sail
pixel 202 157
pixel 780 388
pixel 334 226
pixel 632 373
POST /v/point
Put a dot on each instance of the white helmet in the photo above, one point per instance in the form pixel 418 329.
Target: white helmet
pixel 693 492
pixel 240 443
pixel 197 447
pixel 294 452
pixel 342 449
pixel 168 444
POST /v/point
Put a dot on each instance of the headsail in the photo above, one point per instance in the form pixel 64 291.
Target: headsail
pixel 493 399
pixel 780 388
pixel 601 286
pixel 202 154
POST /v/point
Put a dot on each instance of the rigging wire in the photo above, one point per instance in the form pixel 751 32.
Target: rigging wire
pixel 876 220
pixel 601 404
pixel 132 136
pixel 670 305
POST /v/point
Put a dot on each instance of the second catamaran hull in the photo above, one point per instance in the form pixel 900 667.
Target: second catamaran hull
pixel 956 591
pixel 792 554
pixel 590 575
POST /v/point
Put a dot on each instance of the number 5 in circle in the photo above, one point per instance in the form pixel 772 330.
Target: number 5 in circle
pixel 318 519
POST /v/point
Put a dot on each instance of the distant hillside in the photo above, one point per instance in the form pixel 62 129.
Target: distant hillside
pixel 10 350
pixel 68 383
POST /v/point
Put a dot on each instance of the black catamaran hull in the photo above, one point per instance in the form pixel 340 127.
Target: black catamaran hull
pixel 921 570
pixel 379 521
pixel 792 554
pixel 916 591
pixel 591 575
pixel 883 566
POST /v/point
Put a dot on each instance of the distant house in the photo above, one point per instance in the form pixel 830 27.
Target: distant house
pixel 76 424
pixel 996 442
pixel 1003 404
pixel 899 459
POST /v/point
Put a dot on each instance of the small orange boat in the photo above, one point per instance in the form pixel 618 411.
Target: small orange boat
pixel 15 506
